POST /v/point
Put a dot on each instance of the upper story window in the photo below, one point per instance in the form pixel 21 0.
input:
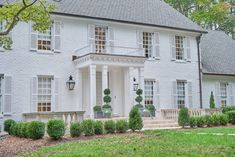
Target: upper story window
pixel 223 93
pixel 180 93
pixel 148 92
pixel 44 93
pixel 100 39
pixel 44 40
pixel 179 47
pixel 147 44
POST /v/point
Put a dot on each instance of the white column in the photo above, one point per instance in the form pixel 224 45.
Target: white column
pixel 104 79
pixel 131 87
pixel 79 89
pixel 141 81
pixel 92 89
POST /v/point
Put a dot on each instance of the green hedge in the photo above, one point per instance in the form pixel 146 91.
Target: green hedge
pixel 231 115
pixel 7 125
pixel 88 127
pixel 56 129
pixel 121 126
pixel 75 129
pixel 109 126
pixel 183 118
pixel 135 120
pixel 98 127
pixel 35 130
pixel 226 109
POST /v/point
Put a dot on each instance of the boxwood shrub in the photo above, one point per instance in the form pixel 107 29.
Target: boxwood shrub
pixel 223 119
pixel 121 126
pixel 36 130
pixel 226 109
pixel 183 118
pixel 56 129
pixel 193 122
pixel 98 127
pixel 88 127
pixel 75 129
pixel 231 115
pixel 201 121
pixel 7 125
pixel 109 126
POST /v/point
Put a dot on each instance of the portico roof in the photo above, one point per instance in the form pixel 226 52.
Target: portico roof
pixel 109 59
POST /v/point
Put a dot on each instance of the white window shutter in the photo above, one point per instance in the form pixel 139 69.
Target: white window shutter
pixel 57 36
pixel 218 94
pixel 55 104
pixel 174 94
pixel 139 39
pixel 172 43
pixel 91 37
pixel 33 38
pixel 187 49
pixel 34 94
pixel 156 45
pixel 231 98
pixel 190 94
pixel 7 108
pixel 157 95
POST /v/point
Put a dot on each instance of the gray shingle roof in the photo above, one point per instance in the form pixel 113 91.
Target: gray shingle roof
pixel 218 53
pixel 148 12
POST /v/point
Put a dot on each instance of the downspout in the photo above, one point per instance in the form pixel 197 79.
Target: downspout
pixel 199 68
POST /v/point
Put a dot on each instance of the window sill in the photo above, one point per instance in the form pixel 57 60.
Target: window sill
pixel 44 52
pixel 181 61
pixel 153 59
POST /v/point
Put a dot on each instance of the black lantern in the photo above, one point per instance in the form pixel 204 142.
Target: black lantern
pixel 135 85
pixel 70 83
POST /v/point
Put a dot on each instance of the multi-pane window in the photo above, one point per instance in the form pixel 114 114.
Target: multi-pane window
pixel 44 93
pixel 148 91
pixel 223 93
pixel 179 47
pixel 100 39
pixel 44 40
pixel 1 94
pixel 147 44
pixel 181 93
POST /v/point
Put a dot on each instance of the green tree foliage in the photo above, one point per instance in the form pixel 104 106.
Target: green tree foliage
pixel 212 101
pixel 210 14
pixel 135 120
pixel 11 14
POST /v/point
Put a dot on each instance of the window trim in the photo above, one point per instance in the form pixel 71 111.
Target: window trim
pixel 226 96
pixel 151 57
pixel 51 40
pixel 182 49
pixel 153 93
pixel 106 38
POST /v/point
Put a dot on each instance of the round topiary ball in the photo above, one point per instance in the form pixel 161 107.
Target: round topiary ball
pixel 107 99
pixel 139 92
pixel 107 91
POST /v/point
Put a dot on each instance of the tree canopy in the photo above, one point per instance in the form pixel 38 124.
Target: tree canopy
pixel 210 14
pixel 36 11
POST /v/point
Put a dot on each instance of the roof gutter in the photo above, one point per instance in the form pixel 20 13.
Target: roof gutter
pixel 217 74
pixel 129 22
pixel 199 68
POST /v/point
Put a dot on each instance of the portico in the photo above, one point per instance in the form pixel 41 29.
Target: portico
pixel 96 72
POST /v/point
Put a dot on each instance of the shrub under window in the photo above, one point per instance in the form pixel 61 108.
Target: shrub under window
pixel 56 129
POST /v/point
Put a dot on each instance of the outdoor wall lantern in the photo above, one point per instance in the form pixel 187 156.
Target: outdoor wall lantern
pixel 70 83
pixel 135 85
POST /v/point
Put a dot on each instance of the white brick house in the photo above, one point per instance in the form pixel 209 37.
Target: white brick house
pixel 102 44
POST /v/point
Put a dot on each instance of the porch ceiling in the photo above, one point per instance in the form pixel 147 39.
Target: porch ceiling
pixel 109 59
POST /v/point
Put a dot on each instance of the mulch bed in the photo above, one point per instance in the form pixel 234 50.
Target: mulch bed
pixel 11 146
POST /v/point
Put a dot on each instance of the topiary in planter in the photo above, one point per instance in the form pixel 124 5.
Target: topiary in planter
pixel 109 126
pixel 88 127
pixel 98 127
pixel 121 126
pixel 139 100
pixel 135 120
pixel 183 118
pixel 98 111
pixel 36 130
pixel 7 125
pixel 56 129
pixel 75 129
pixel 107 109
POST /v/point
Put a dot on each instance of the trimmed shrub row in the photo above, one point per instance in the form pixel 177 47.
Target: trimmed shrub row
pixel 91 127
pixel 213 120
pixel 34 130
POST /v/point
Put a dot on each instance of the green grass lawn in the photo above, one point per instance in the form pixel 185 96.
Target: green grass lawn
pixel 170 143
